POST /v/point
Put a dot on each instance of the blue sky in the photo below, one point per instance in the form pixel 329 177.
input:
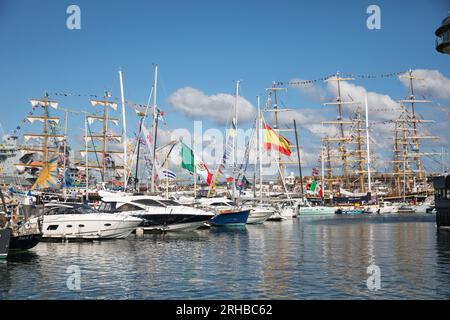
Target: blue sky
pixel 206 45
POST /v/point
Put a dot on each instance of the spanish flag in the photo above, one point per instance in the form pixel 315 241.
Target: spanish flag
pixel 274 141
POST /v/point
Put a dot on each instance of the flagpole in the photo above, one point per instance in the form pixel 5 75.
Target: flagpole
pixel 124 133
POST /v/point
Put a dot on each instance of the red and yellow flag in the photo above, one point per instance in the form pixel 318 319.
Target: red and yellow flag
pixel 275 141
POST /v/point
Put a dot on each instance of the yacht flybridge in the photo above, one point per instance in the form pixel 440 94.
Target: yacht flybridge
pixel 158 213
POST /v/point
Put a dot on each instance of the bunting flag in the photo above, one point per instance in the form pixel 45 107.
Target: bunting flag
pixel 359 76
pixel 275 141
pixel 48 177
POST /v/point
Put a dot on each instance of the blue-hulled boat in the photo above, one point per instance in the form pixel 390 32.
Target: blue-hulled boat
pixel 227 212
pixel 230 218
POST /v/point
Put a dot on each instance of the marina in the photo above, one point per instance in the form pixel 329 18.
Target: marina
pixel 155 181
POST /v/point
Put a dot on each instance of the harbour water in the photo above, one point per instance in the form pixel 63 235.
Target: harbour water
pixel 306 258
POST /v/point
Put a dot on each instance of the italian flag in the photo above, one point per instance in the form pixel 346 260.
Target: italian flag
pixel 189 161
pixel 275 141
pixel 316 188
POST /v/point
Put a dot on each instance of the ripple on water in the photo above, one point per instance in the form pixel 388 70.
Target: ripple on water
pixel 306 258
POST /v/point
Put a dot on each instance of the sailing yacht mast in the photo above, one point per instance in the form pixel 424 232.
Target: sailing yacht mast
pixel 260 141
pixel 66 139
pixel 255 163
pixel 233 189
pixel 124 133
pixel 322 160
pixel 155 130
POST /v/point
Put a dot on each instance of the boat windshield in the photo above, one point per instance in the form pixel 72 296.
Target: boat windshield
pixel 107 206
pixel 150 202
pixel 170 202
pixel 221 203
pixel 75 210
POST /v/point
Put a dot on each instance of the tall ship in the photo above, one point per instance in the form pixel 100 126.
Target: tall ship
pixel 101 153
pixel 42 150
pixel 344 148
pixel 410 133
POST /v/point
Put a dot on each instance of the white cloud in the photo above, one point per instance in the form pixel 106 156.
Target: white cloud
pixel 218 108
pixel 434 83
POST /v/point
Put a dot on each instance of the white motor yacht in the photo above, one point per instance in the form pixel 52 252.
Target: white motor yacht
pixel 158 213
pixel 83 223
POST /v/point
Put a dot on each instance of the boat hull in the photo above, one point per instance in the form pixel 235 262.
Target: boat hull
pixel 259 216
pixel 316 211
pixel 172 222
pixel 24 242
pixel 287 212
pixel 276 217
pixel 5 235
pixel 230 218
pixel 88 226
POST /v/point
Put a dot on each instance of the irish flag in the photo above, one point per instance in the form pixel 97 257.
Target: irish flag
pixel 275 141
pixel 189 159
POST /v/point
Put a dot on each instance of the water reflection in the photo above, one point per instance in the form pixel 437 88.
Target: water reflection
pixel 300 258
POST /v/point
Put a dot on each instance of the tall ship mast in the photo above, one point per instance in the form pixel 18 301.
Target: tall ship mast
pixel 408 168
pixel 100 145
pixel 358 152
pixel 340 141
pixel 49 143
pixel 273 105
